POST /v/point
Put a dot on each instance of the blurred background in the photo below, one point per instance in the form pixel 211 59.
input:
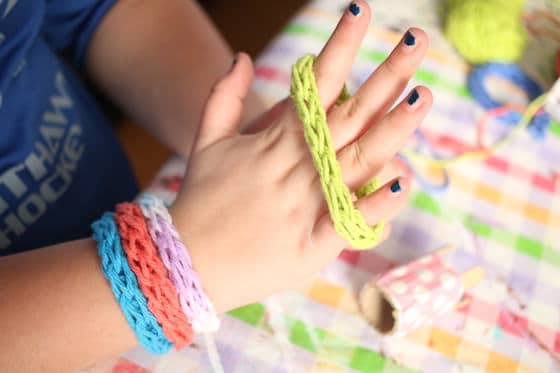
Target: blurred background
pixel 248 25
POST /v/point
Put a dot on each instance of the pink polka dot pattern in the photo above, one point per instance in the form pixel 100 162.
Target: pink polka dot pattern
pixel 420 292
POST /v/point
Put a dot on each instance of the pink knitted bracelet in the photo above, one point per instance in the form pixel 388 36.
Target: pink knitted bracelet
pixel 175 257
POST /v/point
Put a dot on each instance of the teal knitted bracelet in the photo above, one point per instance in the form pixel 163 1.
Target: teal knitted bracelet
pixel 125 286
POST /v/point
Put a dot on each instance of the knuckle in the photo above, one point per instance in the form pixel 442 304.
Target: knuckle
pixel 351 108
pixel 359 159
pixel 393 68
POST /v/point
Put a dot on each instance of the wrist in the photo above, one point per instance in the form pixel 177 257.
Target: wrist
pixel 201 259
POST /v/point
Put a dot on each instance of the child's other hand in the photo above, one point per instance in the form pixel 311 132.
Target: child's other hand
pixel 251 210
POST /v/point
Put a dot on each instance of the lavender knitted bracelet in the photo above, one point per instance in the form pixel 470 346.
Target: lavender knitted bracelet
pixel 174 255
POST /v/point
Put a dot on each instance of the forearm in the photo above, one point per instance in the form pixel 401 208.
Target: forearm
pixel 158 61
pixel 58 313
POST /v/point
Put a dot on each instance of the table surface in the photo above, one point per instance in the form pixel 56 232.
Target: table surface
pixel 502 214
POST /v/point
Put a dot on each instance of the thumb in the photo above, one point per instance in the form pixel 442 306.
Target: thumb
pixel 224 107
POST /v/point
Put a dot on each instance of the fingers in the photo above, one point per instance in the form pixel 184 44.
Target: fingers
pixel 386 202
pixel 335 60
pixel 383 204
pixel 390 171
pixel 224 107
pixel 380 91
pixel 364 158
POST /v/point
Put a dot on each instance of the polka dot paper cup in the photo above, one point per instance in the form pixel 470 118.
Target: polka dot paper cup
pixel 404 298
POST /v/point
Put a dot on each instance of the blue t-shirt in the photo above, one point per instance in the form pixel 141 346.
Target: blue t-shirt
pixel 60 163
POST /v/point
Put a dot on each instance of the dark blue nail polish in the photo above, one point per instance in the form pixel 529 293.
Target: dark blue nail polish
pixel 409 39
pixel 414 96
pixel 354 9
pixel 396 187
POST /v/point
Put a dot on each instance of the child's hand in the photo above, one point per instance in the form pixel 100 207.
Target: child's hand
pixel 251 211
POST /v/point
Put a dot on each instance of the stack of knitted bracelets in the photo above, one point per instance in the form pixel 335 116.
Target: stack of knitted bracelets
pixel 151 275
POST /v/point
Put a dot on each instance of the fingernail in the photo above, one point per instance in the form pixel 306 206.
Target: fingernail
pixel 354 9
pixel 414 96
pixel 396 186
pixel 409 39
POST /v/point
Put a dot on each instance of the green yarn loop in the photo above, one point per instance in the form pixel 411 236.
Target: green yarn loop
pixel 486 30
pixel 347 219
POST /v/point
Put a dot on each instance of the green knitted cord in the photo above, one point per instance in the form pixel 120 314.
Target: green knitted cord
pixel 347 219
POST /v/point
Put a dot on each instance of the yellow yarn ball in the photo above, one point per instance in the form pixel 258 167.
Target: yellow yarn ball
pixel 486 30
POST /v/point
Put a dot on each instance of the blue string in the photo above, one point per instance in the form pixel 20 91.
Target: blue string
pixel 125 286
pixel 514 74
pixel 424 183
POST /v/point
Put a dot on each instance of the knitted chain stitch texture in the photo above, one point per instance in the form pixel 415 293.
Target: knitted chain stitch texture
pixel 152 276
pixel 347 219
pixel 176 259
pixel 125 286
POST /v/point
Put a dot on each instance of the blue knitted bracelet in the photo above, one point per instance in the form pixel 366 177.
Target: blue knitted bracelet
pixel 125 286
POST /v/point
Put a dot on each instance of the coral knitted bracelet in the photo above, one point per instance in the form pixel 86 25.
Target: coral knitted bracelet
pixel 125 286
pixel 152 275
pixel 175 257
